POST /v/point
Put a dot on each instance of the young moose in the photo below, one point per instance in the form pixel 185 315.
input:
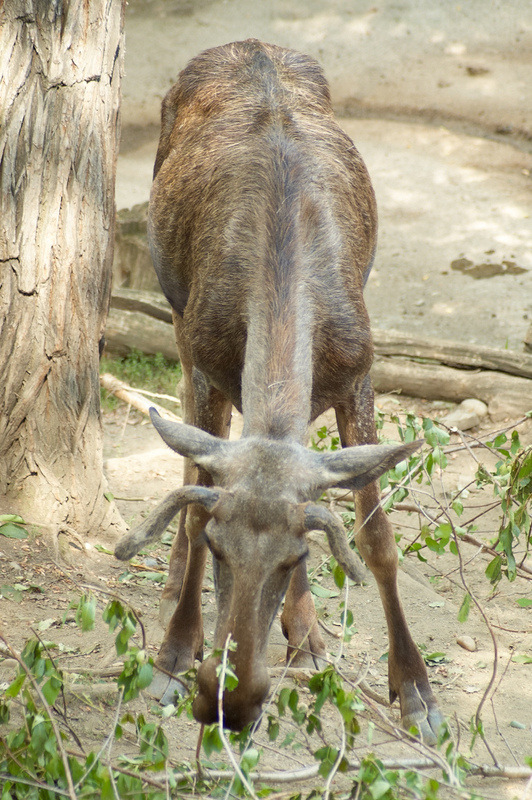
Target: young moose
pixel 262 228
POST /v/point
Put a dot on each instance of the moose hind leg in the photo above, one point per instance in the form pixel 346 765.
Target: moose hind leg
pixel 178 559
pixel 407 673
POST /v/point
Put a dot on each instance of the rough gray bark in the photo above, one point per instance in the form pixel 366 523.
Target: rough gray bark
pixel 60 64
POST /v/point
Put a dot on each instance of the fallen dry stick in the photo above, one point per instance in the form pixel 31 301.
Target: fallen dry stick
pixel 133 398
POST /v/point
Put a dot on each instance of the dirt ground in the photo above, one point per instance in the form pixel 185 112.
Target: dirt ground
pixel 437 98
pixel 41 588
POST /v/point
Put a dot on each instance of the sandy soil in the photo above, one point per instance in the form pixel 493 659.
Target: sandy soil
pixel 140 472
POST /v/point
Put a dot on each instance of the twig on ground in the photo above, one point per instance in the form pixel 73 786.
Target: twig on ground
pixel 446 512
pixel 133 398
pixel 158 396
pixel 227 746
pixel 107 744
pixel 336 765
pixel 42 698
pixel 63 713
pixel 115 596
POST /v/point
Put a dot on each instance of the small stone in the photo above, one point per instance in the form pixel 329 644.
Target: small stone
pixel 476 406
pixel 467 642
pixel 467 415
pixel 8 665
pixel 462 419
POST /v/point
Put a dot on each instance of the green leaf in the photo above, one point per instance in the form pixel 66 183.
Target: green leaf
pixel 230 677
pixel 14 688
pixel 433 659
pixel 249 760
pixel 463 613
pixel 327 756
pixel 101 549
pixel 51 689
pixel 526 467
pixel 379 788
pixel 156 577
pixel 86 612
pixel 457 507
pixel 500 440
pixel 211 742
pixel 12 531
pixel 522 659
pixel 321 591
pixel 435 436
pixel 282 700
pixel 273 729
pixel 524 602
pixel 145 675
pixel 494 569
pixel 12 592
pixel 339 576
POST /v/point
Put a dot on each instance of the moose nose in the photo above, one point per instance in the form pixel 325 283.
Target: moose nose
pixel 240 706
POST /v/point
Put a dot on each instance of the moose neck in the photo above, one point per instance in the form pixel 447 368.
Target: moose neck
pixel 277 375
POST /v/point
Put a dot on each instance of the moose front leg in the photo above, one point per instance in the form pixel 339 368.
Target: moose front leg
pixel 178 557
pixel 183 639
pixel 179 553
pixel 300 623
pixel 206 408
pixel 407 674
pixel 180 609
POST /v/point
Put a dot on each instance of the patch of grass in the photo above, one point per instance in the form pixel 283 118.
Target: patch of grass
pixel 154 373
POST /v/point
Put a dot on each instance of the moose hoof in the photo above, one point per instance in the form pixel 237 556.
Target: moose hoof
pixel 428 723
pixel 306 658
pixel 164 688
pixel 419 709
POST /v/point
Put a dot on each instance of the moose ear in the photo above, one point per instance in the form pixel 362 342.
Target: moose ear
pixel 155 524
pixel 354 467
pixel 205 450
pixel 319 518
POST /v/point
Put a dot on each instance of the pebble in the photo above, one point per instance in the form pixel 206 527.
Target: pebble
pixel 467 642
pixel 8 665
pixel 477 406
pixel 467 415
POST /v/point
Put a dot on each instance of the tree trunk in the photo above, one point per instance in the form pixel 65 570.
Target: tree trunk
pixel 60 68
